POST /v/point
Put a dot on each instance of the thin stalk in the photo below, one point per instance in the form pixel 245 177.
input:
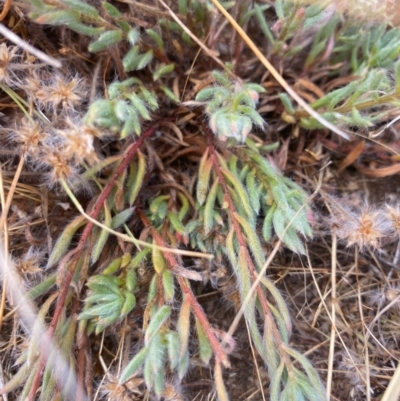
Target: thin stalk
pixel 333 318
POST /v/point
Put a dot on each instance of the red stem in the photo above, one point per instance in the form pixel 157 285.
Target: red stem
pixel 238 231
pixel 95 212
pixel 198 311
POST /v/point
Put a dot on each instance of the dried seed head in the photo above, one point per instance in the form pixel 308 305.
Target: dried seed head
pixel 393 213
pixel 62 92
pixel 78 143
pixel 7 53
pixel 364 228
pixel 29 263
pixel 30 135
pixel 60 165
pixel 129 391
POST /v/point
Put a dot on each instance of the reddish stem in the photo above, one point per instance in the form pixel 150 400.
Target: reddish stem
pixel 198 311
pixel 238 231
pixel 95 212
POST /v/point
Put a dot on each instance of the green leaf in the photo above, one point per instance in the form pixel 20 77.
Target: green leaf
pixel 183 326
pixel 133 36
pixel 102 238
pixel 83 29
pixel 111 10
pixel 158 260
pixel 156 37
pixel 252 240
pixel 130 61
pixel 163 70
pixel 61 17
pixel 205 350
pixel 168 285
pixel 105 40
pixel 253 191
pixel 176 223
pixel 102 310
pixel 173 349
pixel 43 287
pixel 131 280
pixel 133 366
pixel 108 283
pixel 139 105
pixel 267 225
pixel 156 204
pixel 102 298
pixel 63 242
pixel 136 177
pixel 129 303
pixel 203 177
pixel 209 207
pixel 144 59
pixel 121 218
pixel 170 95
pixel 156 322
pixel 83 8
pixel 241 192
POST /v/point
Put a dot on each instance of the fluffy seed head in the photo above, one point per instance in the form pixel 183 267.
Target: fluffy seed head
pixel 7 53
pixel 364 228
pixel 29 134
pixel 67 93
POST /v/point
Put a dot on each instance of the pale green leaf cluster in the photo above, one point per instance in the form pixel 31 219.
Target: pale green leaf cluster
pixel 160 345
pixel 231 107
pixel 110 298
pixel 129 102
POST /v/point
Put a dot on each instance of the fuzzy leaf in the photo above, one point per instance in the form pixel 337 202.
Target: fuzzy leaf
pixel 252 240
pixel 63 242
pixel 130 60
pixel 254 194
pixel 105 40
pixel 168 285
pixel 156 322
pixel 183 326
pixel 241 192
pixel 133 366
pixel 156 37
pixel 83 8
pixel 173 349
pixel 203 177
pixel 112 11
pixel 102 238
pixel 109 283
pixel 136 177
pixel 163 70
pixel 170 95
pixel 205 350
pixel 133 36
pixel 176 223
pixel 61 17
pixel 129 303
pixel 158 260
pixel 122 217
pixel 209 207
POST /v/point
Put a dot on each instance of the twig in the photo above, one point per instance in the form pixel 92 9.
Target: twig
pixel 29 48
pixel 6 9
pixel 333 318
